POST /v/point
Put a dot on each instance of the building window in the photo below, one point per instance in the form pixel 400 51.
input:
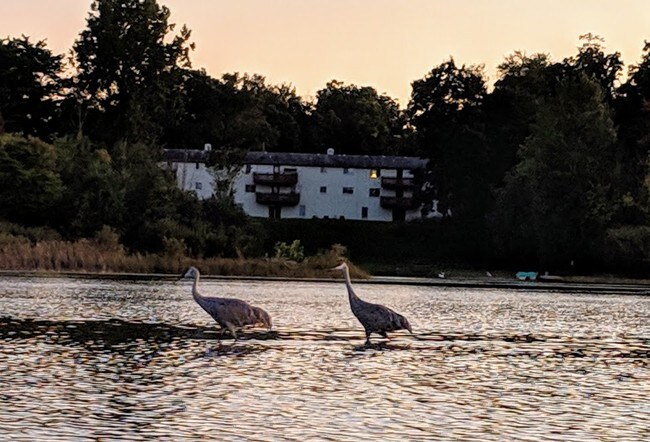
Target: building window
pixel 323 170
pixel 346 170
pixel 323 189
pixel 250 188
pixel 290 170
pixel 197 165
pixel 301 210
pixel 248 169
pixel 349 190
pixel 374 192
pixel 364 212
pixel 375 173
pixel 198 186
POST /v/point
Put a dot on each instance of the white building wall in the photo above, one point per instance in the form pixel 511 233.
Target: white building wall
pixel 194 177
pixel 334 203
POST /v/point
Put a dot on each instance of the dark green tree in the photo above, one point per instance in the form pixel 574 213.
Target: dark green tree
pixel 128 70
pixel 633 153
pixel 93 195
pixel 238 111
pixel 30 186
pixel 564 178
pixel 264 116
pixel 29 86
pixel 446 112
pixel 592 61
pixel 356 120
pixel 524 82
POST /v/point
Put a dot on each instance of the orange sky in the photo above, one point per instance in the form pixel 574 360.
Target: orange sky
pixel 385 44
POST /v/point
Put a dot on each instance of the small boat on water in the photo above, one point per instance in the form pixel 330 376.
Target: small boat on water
pixel 526 276
pixel 534 276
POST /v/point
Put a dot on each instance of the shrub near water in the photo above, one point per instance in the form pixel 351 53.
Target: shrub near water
pixel 104 253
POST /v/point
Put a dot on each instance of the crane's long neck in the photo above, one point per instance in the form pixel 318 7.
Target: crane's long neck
pixel 195 289
pixel 354 299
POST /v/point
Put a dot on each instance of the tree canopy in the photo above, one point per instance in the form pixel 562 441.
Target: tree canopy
pixel 30 84
pixel 550 165
pixel 127 74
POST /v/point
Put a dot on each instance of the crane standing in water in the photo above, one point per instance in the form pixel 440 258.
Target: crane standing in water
pixel 230 313
pixel 375 318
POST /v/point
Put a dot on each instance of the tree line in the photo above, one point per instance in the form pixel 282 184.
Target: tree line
pixel 549 166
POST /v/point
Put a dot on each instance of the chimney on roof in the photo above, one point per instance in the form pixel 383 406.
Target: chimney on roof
pixel 330 151
pixel 207 147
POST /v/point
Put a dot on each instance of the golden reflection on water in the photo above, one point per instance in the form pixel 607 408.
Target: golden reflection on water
pixel 84 359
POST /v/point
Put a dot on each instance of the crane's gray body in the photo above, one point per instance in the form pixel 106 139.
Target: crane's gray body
pixel 375 318
pixel 230 313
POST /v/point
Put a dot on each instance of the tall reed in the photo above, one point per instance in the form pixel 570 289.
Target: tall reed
pixel 18 253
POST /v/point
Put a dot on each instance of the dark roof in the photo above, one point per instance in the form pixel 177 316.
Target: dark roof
pixel 305 159
pixel 186 155
pixel 324 160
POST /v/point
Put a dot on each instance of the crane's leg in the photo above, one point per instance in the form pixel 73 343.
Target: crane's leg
pixel 232 329
pixel 368 337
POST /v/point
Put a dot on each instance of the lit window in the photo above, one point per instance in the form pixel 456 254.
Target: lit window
pixel 250 188
pixel 349 190
pixel 323 189
pixel 198 186
pixel 374 192
pixel 364 212
pixel 374 174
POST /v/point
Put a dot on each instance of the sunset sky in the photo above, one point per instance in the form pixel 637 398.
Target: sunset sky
pixel 385 44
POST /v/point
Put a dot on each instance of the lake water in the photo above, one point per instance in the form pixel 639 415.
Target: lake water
pixel 139 360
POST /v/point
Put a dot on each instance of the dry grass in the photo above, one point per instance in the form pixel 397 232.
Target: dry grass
pixel 94 256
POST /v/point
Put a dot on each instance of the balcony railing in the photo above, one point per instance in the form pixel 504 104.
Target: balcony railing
pixel 277 199
pixel 276 179
pixel 397 183
pixel 395 202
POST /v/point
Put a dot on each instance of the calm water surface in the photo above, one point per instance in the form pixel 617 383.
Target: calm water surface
pixel 116 360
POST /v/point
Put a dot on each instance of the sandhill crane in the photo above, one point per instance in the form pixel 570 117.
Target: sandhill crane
pixel 263 318
pixel 375 318
pixel 230 313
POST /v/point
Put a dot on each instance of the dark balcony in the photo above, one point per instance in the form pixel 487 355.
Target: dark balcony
pixel 397 183
pixel 277 199
pixel 398 202
pixel 276 179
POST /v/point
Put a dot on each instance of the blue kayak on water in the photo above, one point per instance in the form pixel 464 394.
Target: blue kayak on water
pixel 526 276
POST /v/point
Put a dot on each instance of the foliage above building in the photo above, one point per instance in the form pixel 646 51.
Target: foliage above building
pixel 550 164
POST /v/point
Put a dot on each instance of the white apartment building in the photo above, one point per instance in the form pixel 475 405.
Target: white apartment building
pixel 192 173
pixel 305 185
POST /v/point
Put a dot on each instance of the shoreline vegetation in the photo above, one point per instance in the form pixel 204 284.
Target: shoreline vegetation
pixel 98 257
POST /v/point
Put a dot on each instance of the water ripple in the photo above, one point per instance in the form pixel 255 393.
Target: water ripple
pixel 115 360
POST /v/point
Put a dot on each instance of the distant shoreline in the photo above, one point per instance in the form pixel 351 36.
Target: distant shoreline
pixel 572 286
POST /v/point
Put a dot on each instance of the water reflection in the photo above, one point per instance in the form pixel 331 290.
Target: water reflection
pixel 84 359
